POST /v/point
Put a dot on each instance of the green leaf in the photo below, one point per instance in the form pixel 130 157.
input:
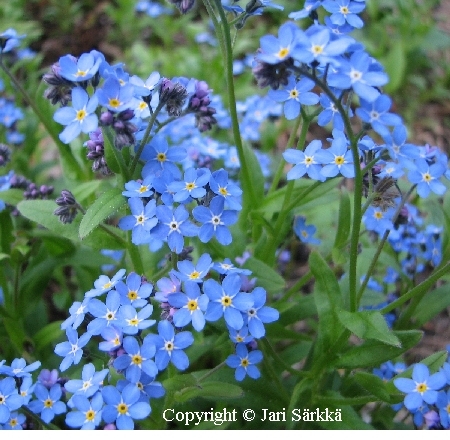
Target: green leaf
pixel 216 390
pixel 84 190
pixel 41 211
pixel 108 203
pixel 372 353
pixel 16 333
pixel 48 334
pixel 12 196
pixel 257 177
pixel 373 384
pixel 368 324
pixel 267 277
pixel 328 300
pixel 395 64
pixel 178 382
pixel 111 153
pixel 344 221
pixel 431 305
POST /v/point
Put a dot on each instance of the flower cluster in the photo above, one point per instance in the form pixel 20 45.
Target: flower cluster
pixel 427 395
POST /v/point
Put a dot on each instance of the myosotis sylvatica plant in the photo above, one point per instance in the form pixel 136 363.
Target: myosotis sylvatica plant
pixel 180 241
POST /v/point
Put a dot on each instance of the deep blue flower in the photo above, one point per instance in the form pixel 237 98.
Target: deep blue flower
pixel 427 178
pixel 187 271
pixel 443 404
pixel 244 362
pixel 79 69
pixel 345 11
pixel 89 383
pixel 330 113
pixel 274 50
pixel 377 114
pixel 15 422
pixel 26 389
pixel 240 336
pixel 159 156
pixel 336 159
pixel 308 7
pixel 131 321
pixel 423 387
pixel 19 368
pixel 305 232
pixel 260 314
pixel 191 306
pixel 10 40
pixel 170 346
pixel 226 300
pixel 294 94
pixel 378 220
pixel 10 399
pixel 123 408
pixel 139 188
pixel 141 220
pixel 71 350
pixel 104 284
pixel 79 118
pixel 77 312
pixel 321 47
pixel 134 292
pixel 137 359
pixel 215 221
pixel 48 403
pixel 114 96
pixel 221 186
pixel 193 185
pixel 357 74
pixel 305 162
pixel 173 226
pixel 226 267
pixel 104 315
pixel 167 286
pixel 112 339
pixel 89 414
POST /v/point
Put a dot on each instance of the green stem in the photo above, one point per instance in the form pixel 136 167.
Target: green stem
pixel 29 413
pixel 381 245
pixel 146 137
pixel 211 372
pixel 245 175
pixel 280 361
pixel 135 256
pixel 424 285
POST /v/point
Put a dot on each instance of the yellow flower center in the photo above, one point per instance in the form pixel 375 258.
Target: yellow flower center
pixel 283 53
pixel 192 305
pixel 90 415
pixel 421 387
pixel 81 73
pixel 143 189
pixel 136 359
pixel 339 160
pixel 316 49
pixel 427 177
pixel 190 186
pixel 223 191
pixel 169 346
pixel 161 157
pixel 107 285
pixel 244 362
pixel 122 408
pixel 226 301
pixel 81 114
pixel 114 103
pixel 344 10
pixel 132 295
pixel 194 275
pixel 48 403
pixel 378 215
